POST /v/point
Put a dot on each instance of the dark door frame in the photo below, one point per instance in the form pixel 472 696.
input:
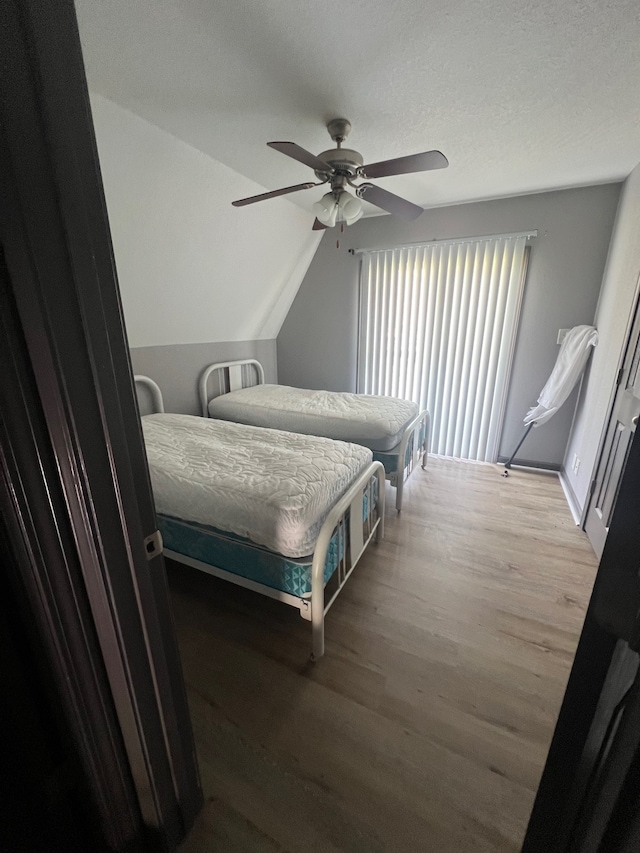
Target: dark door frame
pixel 74 484
pixel 585 777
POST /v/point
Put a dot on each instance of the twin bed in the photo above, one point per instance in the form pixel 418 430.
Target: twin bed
pixel 394 429
pixel 285 515
pixel 276 489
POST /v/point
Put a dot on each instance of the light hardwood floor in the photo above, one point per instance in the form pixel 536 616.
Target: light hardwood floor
pixel 426 725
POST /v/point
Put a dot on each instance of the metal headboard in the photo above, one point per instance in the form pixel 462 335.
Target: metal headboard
pixel 231 376
pixel 154 391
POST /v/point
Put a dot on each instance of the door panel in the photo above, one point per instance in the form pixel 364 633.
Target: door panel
pixel 581 780
pixel 74 486
pixel 615 450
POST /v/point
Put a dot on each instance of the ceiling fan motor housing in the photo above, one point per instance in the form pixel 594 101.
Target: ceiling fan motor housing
pixel 342 160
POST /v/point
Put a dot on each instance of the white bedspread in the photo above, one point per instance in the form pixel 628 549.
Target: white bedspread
pixel 375 422
pixel 274 488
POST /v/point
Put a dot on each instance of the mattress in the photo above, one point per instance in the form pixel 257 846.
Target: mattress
pixel 274 488
pixel 390 459
pixel 241 557
pixel 375 422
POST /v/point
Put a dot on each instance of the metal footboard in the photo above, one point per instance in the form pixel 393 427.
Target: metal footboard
pixel 351 548
pixel 413 446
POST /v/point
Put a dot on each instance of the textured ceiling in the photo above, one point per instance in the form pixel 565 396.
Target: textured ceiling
pixel 520 97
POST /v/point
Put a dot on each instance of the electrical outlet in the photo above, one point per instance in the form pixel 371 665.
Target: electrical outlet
pixel 576 464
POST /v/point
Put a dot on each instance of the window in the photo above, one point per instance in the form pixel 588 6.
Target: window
pixel 437 326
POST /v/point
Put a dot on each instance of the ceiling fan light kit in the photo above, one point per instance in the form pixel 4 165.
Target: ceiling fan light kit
pixel 338 206
pixel 326 210
pixel 350 208
pixel 340 167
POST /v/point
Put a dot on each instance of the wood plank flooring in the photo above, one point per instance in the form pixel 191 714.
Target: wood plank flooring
pixel 426 725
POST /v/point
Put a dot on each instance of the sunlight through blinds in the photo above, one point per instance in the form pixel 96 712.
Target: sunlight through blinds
pixel 437 326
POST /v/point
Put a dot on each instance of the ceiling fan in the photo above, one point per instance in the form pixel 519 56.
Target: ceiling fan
pixel 340 167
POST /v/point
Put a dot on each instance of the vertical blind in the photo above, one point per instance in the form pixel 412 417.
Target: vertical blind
pixel 437 326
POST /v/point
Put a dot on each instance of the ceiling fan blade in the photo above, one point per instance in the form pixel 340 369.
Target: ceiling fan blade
pixel 318 226
pixel 273 194
pixel 389 201
pixel 404 165
pixel 301 155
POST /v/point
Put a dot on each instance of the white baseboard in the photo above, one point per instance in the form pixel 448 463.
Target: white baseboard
pixel 574 506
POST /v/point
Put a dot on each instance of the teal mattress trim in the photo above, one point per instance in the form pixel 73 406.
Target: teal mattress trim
pixel 389 461
pixel 241 557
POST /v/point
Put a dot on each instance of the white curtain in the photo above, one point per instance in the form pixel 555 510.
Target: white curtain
pixel 437 326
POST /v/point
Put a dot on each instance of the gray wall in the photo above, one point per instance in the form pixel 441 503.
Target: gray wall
pixel 177 368
pixel 317 345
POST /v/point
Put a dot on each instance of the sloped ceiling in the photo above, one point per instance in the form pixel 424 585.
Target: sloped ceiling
pixel 520 96
pixel 189 272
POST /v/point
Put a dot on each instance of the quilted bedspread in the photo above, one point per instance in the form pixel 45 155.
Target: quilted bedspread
pixel 375 422
pixel 274 488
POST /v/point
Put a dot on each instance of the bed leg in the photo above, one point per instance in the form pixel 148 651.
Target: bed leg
pixel 381 504
pixel 399 489
pixel 317 600
pixel 317 649
pixel 427 437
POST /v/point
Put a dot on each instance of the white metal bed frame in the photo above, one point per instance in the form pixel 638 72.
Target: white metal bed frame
pixel 232 376
pixel 347 510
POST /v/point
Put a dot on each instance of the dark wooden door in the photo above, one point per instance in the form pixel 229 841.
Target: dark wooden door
pixel 74 484
pixel 591 782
